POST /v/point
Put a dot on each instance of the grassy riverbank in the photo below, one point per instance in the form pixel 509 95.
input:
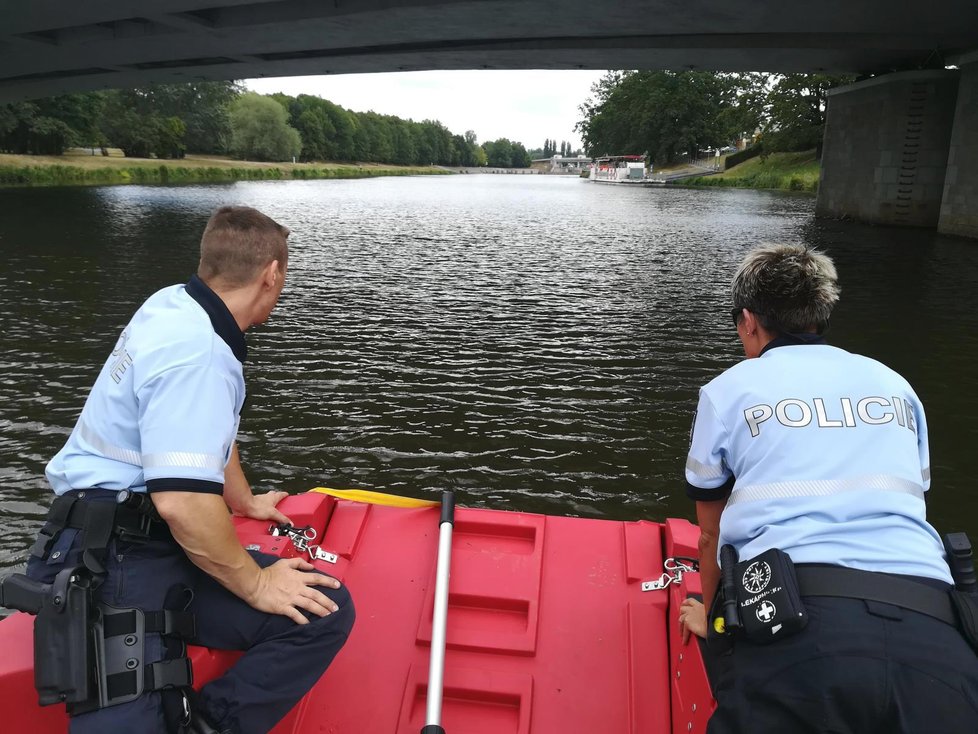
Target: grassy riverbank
pixel 787 171
pixel 87 170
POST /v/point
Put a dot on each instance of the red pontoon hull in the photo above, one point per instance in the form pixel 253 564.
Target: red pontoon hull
pixel 548 632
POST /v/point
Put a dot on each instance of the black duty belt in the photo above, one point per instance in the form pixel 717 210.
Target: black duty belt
pixel 851 583
pixel 99 514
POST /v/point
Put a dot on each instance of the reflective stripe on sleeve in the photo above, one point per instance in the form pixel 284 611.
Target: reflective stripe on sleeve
pixel 704 471
pixel 109 451
pixel 825 487
pixel 166 460
pixel 183 459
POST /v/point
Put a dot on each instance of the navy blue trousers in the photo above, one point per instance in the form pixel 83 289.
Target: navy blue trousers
pixel 283 660
pixel 857 668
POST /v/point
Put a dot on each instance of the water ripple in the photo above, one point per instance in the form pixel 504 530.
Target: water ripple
pixel 535 343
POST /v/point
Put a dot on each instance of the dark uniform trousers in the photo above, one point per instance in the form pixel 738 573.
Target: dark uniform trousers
pixel 858 667
pixel 283 659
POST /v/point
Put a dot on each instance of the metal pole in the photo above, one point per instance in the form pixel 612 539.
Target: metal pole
pixel 436 668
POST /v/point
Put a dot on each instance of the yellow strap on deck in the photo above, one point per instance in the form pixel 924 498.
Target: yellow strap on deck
pixel 375 498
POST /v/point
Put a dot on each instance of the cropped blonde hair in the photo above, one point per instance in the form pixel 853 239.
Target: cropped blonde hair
pixel 790 288
pixel 238 242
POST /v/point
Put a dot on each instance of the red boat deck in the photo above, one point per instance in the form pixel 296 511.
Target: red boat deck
pixel 548 632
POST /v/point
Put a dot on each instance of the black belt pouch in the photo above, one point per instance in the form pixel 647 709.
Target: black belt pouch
pixel 966 605
pixel 767 597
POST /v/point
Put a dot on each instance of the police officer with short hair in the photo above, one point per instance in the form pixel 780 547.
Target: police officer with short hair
pixel 162 419
pixel 823 454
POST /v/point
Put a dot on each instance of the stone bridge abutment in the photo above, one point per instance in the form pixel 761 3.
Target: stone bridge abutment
pixel 901 149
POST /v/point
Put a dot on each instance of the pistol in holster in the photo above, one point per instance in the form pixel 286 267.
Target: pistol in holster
pixel 64 643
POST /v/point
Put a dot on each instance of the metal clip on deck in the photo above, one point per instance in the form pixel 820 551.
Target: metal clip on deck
pixel 316 553
pixel 302 538
pixel 673 574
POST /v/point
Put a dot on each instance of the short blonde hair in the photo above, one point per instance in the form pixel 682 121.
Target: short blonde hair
pixel 237 243
pixel 790 288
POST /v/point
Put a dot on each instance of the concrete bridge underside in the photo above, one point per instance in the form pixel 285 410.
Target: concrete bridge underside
pixel 900 148
pixel 55 46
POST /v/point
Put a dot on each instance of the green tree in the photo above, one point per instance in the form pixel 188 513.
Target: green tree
pixel 49 126
pixel 125 128
pixel 166 120
pixel 405 152
pixel 519 157
pixel 48 135
pixel 377 131
pixel 796 111
pixel 315 130
pixel 9 119
pixel 480 156
pixel 748 112
pixel 663 113
pixel 170 136
pixel 440 141
pixel 290 104
pixel 423 153
pixel 135 120
pixel 141 120
pixel 505 153
pixel 204 108
pixel 361 148
pixel 457 150
pixel 260 129
pixel 473 154
pixel 499 153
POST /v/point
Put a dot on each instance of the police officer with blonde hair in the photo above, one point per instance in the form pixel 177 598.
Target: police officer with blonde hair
pixel 809 466
pixel 160 422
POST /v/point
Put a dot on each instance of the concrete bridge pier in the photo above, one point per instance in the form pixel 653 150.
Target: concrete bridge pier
pixel 959 208
pixel 885 149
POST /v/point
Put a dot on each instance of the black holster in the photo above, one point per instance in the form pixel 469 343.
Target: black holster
pixel 64 644
pixel 964 595
pixel 87 654
pixel 966 605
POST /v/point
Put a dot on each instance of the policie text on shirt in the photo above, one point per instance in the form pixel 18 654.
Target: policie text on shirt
pixel 795 413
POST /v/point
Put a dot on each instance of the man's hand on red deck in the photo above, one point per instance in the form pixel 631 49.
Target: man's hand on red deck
pixel 263 507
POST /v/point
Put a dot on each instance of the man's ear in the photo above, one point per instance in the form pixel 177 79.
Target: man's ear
pixel 270 274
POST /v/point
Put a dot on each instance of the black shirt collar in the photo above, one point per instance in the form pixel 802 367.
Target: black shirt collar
pixel 788 340
pixel 221 319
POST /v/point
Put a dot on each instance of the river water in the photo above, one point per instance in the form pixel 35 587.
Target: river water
pixel 534 342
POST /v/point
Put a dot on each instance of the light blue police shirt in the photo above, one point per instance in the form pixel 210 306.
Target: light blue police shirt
pixel 164 411
pixel 823 454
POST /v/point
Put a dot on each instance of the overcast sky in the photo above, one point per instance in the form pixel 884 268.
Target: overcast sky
pixel 525 106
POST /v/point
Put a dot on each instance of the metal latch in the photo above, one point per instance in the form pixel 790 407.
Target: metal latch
pixel 316 553
pixel 300 537
pixel 673 574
